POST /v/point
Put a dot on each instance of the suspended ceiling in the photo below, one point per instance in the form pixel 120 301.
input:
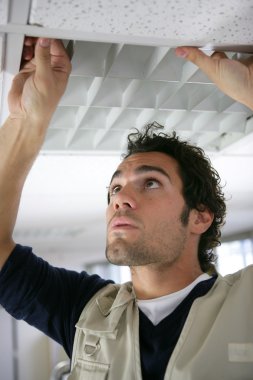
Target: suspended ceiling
pixel 122 84
pixel 125 74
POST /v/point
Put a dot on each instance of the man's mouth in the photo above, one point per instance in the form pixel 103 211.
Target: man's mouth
pixel 122 222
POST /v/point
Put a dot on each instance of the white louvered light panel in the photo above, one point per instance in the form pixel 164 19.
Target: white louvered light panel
pixel 116 87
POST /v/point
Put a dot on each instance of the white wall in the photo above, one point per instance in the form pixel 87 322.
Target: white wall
pixel 26 353
pixel 6 347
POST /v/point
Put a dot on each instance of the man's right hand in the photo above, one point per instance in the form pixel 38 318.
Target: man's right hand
pixel 38 87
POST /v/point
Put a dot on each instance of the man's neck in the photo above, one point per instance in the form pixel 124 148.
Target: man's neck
pixel 153 281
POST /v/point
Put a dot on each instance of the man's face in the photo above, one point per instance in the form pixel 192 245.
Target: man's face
pixel 145 213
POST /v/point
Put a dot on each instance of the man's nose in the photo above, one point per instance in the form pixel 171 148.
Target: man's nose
pixel 125 199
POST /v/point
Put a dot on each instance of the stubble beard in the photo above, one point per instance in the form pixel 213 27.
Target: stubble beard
pixel 121 252
pixel 163 247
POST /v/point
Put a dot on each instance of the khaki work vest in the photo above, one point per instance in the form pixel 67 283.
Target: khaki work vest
pixel 216 342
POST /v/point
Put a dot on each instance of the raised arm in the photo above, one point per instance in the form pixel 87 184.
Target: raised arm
pixel 34 95
pixel 234 78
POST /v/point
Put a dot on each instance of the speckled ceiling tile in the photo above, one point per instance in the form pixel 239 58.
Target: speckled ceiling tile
pixel 215 22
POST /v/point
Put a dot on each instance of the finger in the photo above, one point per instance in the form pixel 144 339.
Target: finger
pixel 28 52
pixel 57 48
pixel 30 41
pixel 218 55
pixel 59 55
pixel 42 57
pixel 207 64
pixel 194 55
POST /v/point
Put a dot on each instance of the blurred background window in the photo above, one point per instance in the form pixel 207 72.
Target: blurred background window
pixel 118 274
pixel 234 255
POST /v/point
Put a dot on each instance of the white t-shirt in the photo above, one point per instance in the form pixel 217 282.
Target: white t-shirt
pixel 158 308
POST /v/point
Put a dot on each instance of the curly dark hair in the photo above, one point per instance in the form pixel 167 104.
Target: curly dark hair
pixel 201 182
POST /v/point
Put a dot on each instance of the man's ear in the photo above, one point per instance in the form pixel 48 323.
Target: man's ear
pixel 201 220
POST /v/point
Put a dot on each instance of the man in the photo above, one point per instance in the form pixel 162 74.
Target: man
pixel 165 209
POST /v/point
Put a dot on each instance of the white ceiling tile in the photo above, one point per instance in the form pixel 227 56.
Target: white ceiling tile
pixel 219 22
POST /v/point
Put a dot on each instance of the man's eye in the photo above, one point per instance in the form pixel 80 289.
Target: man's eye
pixel 114 190
pixel 152 184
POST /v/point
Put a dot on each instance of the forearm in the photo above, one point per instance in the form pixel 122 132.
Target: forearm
pixel 20 143
pixel 33 98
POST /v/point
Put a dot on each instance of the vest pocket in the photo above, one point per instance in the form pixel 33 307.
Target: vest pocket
pixel 85 369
